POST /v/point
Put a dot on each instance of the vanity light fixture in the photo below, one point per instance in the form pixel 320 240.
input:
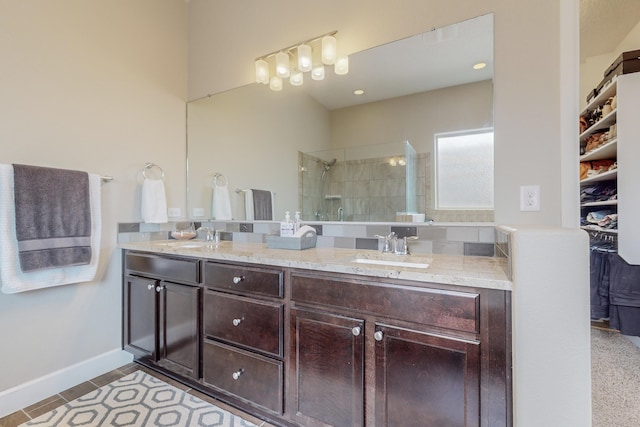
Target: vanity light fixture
pixel 292 62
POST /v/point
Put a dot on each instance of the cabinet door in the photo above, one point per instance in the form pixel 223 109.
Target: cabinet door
pixel 425 380
pixel 327 369
pixel 179 328
pixel 140 310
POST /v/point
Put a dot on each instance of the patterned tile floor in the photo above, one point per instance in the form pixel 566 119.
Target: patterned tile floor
pixel 46 405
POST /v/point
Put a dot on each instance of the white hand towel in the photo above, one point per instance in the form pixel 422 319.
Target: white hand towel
pixel 248 205
pixel 221 204
pixel 13 279
pixel 154 201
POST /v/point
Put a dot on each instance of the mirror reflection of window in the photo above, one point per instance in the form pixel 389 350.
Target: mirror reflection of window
pixel 464 170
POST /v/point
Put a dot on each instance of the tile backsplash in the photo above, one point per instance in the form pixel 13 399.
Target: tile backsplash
pixel 450 239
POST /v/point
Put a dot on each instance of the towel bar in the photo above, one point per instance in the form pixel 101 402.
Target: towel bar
pixel 148 166
pixel 106 178
pixel 239 190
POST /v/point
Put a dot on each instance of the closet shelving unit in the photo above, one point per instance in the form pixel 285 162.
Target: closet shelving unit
pixel 625 149
pixel 607 151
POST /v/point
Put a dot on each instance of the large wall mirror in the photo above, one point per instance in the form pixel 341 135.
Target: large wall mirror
pixel 337 156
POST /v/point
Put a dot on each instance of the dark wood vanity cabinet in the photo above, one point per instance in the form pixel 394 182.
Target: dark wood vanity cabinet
pixel 243 350
pixel 161 316
pixel 423 379
pixel 303 348
pixel 388 354
pixel 327 369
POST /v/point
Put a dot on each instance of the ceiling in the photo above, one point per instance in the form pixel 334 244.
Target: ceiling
pixel 604 24
pixel 432 60
pixel 407 66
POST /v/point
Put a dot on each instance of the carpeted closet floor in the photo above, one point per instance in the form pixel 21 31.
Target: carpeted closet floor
pixel 615 380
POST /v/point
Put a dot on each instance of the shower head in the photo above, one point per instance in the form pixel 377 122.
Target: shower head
pixel 329 164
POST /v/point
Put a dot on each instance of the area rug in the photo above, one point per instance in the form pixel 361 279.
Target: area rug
pixel 138 400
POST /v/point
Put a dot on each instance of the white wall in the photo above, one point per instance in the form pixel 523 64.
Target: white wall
pixel 528 69
pixel 97 86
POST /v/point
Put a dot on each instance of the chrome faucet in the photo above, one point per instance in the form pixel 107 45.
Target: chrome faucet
pixel 394 245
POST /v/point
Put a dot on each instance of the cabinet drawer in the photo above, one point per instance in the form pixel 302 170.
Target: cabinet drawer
pixel 177 269
pixel 436 307
pixel 245 321
pixel 248 376
pixel 254 280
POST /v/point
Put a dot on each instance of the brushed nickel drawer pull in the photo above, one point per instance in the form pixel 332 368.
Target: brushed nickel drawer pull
pixel 237 373
pixel 237 321
pixel 151 286
pixel 356 330
pixel 238 279
pixel 160 288
pixel 378 336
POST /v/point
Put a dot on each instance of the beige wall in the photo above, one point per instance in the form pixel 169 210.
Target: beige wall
pixel 97 86
pixel 254 142
pixel 529 66
pixel 592 69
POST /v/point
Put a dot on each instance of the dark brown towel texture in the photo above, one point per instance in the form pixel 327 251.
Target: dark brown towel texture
pixel 53 217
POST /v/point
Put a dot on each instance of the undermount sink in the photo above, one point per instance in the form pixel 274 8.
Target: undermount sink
pixel 182 244
pixel 405 264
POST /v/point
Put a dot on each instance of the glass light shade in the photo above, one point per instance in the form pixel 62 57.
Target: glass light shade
pixel 329 50
pixel 318 72
pixel 275 84
pixel 304 58
pixel 342 65
pixel 296 78
pixel 282 65
pixel 262 71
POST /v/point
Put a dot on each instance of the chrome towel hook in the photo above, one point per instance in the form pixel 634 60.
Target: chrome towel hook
pixel 149 166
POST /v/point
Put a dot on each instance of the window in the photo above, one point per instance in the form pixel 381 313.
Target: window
pixel 464 170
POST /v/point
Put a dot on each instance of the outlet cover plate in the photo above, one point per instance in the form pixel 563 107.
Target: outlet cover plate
pixel 530 198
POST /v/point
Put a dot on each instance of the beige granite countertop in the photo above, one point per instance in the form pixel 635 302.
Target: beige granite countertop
pixel 473 271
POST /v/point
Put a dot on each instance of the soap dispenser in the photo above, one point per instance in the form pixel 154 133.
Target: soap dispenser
pixel 286 226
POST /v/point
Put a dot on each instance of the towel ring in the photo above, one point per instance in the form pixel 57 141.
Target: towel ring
pixel 149 166
pixel 218 176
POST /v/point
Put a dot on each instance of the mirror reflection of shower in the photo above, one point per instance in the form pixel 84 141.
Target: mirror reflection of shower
pixel 364 183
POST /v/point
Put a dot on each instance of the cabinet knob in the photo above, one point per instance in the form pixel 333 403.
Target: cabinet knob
pixel 236 322
pixel 160 288
pixel 237 373
pixel 151 286
pixel 238 279
pixel 378 336
pixel 356 330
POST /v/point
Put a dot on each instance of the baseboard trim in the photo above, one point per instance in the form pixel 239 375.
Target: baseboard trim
pixel 33 391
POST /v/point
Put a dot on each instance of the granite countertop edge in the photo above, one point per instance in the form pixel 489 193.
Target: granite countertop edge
pixel 469 271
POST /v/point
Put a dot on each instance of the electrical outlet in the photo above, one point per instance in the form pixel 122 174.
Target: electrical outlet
pixel 198 212
pixel 530 198
pixel 174 212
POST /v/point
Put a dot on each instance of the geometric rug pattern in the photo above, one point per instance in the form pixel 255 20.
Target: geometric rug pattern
pixel 138 400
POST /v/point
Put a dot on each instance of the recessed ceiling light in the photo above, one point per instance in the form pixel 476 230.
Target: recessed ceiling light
pixel 358 92
pixel 479 65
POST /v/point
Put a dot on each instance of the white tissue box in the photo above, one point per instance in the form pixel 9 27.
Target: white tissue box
pixel 295 243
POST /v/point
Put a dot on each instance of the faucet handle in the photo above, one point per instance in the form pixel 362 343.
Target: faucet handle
pixel 405 244
pixel 387 240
